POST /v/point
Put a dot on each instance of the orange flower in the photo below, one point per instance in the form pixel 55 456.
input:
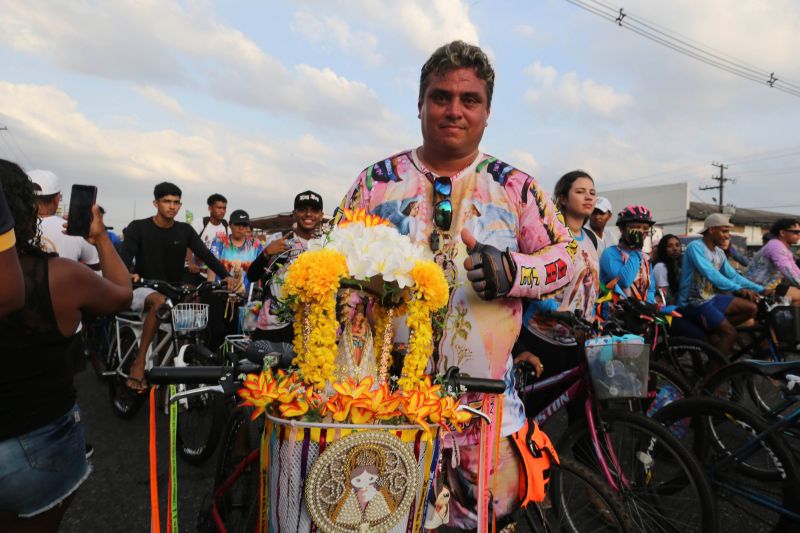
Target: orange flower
pixel 349 394
pixel 361 215
pixel 451 414
pixel 382 404
pixel 259 391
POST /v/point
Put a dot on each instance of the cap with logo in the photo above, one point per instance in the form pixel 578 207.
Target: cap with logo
pixel 240 217
pixel 716 220
pixel 47 182
pixel 603 204
pixel 308 198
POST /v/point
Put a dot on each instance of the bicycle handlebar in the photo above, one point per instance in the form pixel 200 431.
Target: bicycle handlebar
pixel 188 374
pixel 457 381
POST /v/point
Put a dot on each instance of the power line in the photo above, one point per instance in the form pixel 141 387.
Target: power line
pixel 14 140
pixel 700 53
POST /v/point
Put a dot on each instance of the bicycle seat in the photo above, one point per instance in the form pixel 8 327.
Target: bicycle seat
pixel 771 368
pixel 130 315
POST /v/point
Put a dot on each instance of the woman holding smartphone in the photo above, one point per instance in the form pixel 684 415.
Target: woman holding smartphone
pixel 41 434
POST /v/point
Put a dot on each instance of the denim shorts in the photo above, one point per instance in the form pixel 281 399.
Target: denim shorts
pixel 708 315
pixel 38 470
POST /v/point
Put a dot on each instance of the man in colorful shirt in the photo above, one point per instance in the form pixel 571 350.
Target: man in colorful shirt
pixel 774 266
pixel 705 274
pixel 237 251
pixel 494 231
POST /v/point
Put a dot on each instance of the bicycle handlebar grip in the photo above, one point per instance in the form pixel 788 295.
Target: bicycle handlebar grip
pixel 187 374
pixel 489 386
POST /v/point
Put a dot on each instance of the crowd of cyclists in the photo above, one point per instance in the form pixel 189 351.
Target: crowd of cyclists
pixel 518 254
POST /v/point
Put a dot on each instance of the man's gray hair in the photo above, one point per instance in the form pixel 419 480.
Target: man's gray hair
pixel 456 55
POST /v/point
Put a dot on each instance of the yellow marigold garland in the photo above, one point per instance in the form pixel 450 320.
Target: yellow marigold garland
pixel 430 294
pixel 313 279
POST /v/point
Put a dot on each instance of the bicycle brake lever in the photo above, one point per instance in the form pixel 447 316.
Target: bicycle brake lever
pixel 475 412
pixel 194 392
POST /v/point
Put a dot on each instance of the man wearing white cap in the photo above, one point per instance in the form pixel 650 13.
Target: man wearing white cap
pixel 604 237
pixel 48 196
pixel 713 295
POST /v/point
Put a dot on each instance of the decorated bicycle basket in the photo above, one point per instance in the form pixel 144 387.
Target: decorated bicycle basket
pixel 349 444
pixel 618 366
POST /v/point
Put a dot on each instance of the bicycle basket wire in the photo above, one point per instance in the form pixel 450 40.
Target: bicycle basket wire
pixel 188 317
pixel 618 366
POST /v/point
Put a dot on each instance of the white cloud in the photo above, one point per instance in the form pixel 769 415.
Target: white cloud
pixel 525 162
pixel 170 44
pixel 259 174
pixel 571 93
pixel 160 98
pixel 336 31
pixel 424 24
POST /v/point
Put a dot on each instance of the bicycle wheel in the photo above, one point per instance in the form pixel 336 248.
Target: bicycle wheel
pixel 744 385
pixel 662 486
pixel 238 505
pixel 579 500
pixel 751 480
pixel 691 357
pixel 124 402
pixel 199 421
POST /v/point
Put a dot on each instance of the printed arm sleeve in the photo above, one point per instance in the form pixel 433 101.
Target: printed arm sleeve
pixel 782 258
pixel 546 248
pixel 357 196
pixel 698 260
pixel 740 281
pixel 200 250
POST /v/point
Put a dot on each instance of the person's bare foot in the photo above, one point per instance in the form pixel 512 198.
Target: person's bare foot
pixel 136 381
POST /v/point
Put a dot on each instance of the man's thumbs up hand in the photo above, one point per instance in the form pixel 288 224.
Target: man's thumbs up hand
pixel 490 271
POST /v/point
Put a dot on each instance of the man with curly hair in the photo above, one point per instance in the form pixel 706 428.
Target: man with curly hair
pixel 504 238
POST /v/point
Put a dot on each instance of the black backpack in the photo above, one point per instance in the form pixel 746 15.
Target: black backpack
pixel 206 220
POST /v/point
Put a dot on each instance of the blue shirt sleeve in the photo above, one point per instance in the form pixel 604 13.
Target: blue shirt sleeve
pixel 696 258
pixel 612 266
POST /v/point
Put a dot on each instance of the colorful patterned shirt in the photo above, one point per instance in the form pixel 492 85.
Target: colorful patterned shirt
pixel 773 263
pixel 501 206
pixel 236 259
pixel 704 273
pixel 580 293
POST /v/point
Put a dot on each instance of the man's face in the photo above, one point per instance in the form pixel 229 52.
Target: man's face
pixel 168 206
pixel 599 219
pixel 217 210
pixel 307 217
pixel 239 231
pixel 792 234
pixel 720 236
pixel 453 112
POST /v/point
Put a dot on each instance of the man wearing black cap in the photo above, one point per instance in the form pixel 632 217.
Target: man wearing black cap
pixel 271 265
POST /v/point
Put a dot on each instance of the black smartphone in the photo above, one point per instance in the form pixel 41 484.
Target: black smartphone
pixel 81 200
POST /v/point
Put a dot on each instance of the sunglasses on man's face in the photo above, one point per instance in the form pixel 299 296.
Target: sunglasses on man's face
pixel 794 231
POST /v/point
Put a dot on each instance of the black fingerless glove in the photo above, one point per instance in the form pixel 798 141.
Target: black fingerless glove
pixel 492 271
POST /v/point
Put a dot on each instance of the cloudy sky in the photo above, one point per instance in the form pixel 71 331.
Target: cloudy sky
pixel 260 100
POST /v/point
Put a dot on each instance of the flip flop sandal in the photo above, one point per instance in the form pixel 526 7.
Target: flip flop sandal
pixel 141 389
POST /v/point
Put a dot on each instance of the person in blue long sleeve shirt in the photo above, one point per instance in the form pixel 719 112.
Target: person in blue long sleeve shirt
pixel 713 295
pixel 625 266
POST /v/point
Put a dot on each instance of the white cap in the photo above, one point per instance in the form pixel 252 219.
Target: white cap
pixel 603 204
pixel 46 180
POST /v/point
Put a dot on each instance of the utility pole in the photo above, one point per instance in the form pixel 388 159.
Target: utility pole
pixel 721 179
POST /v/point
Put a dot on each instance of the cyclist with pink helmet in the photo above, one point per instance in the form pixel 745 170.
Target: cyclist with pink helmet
pixel 625 268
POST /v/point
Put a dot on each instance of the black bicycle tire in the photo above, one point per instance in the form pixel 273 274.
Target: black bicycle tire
pixel 697 348
pixel 125 403
pixel 231 454
pixel 611 501
pixel 713 387
pixel 197 453
pixel 779 450
pixel 690 466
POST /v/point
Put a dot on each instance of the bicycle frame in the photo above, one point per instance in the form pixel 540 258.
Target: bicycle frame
pixel 136 327
pixel 579 378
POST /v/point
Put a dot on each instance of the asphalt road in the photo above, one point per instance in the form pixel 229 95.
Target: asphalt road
pixel 116 497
